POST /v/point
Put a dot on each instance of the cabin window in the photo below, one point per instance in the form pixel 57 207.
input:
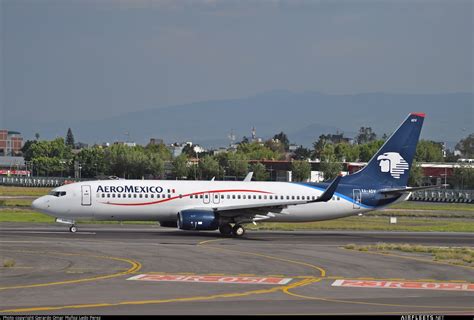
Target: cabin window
pixel 238 196
pixel 265 197
pixel 134 195
pixel 103 195
pixel 292 197
pixel 244 197
pixel 119 195
pixel 260 197
pixel 152 196
pixel 338 198
pixel 169 196
pixel 113 195
pixel 222 196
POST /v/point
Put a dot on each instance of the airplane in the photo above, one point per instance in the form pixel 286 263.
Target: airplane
pixel 228 205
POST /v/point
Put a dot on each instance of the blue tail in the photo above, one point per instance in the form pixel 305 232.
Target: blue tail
pixel 390 166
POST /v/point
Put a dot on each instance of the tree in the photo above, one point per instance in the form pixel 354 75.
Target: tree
pixel 365 135
pixel 237 165
pixel 367 151
pixel 116 157
pixel 301 170
pixel 466 146
pixel 70 139
pixel 27 150
pixel 429 151
pixel 276 146
pixel 255 151
pixel 319 145
pixel 259 172
pixel 189 151
pixel 49 157
pixel 330 167
pixel 180 166
pixel 37 136
pixel 208 168
pixel 416 175
pixel 283 140
pixel 463 177
pixel 346 152
pixel 156 166
pixel 92 161
pixel 302 153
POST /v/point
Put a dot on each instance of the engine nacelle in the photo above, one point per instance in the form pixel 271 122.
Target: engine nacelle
pixel 197 220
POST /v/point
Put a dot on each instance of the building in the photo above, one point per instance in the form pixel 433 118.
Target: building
pixel 13 166
pixel 11 143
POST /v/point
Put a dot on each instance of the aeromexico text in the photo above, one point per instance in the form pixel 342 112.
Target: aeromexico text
pixel 129 189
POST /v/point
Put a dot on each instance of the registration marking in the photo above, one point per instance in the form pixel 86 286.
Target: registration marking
pixel 211 279
pixel 445 286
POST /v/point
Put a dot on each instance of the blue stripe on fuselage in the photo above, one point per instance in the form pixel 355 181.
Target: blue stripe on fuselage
pixel 338 194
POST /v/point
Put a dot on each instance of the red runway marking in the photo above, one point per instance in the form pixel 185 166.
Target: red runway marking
pixel 211 279
pixel 404 285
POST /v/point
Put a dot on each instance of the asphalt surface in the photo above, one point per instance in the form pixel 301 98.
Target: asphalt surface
pixel 57 272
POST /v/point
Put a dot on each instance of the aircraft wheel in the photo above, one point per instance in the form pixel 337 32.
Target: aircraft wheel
pixel 225 229
pixel 238 230
pixel 73 229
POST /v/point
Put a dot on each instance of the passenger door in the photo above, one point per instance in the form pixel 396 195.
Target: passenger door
pixel 86 198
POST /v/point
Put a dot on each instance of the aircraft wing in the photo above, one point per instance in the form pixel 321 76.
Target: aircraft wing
pixel 249 210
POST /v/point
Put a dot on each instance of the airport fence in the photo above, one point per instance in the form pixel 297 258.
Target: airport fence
pixel 444 195
pixel 35 181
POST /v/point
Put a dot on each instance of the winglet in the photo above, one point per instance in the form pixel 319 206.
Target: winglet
pixel 329 192
pixel 248 177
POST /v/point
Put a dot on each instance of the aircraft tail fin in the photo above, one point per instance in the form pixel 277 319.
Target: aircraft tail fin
pixel 390 166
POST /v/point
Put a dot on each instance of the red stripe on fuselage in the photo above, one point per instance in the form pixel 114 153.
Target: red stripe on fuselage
pixel 184 195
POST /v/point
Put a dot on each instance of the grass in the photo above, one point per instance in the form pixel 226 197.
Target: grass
pixel 415 205
pixel 458 256
pixel 9 263
pixel 422 214
pixel 23 191
pixel 15 203
pixel 376 223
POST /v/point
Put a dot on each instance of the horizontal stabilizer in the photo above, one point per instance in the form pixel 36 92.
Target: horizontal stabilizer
pixel 408 189
pixel 329 192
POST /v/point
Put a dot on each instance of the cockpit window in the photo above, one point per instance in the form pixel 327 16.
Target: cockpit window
pixel 57 193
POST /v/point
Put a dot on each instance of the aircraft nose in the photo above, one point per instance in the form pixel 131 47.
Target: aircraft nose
pixel 39 204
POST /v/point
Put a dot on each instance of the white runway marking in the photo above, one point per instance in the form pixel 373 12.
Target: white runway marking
pixel 212 279
pixel 404 285
pixel 46 232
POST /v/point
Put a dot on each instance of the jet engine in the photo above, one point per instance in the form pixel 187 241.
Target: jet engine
pixel 197 220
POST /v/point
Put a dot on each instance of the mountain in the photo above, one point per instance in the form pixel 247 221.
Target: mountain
pixel 302 116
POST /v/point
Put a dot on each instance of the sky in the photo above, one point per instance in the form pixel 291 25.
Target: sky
pixel 87 59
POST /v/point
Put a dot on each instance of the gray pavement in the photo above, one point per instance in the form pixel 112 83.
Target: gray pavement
pixel 57 272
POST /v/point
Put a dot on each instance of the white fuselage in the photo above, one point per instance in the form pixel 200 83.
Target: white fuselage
pixel 161 200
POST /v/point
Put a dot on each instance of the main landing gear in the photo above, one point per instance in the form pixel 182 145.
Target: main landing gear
pixel 73 229
pixel 235 231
